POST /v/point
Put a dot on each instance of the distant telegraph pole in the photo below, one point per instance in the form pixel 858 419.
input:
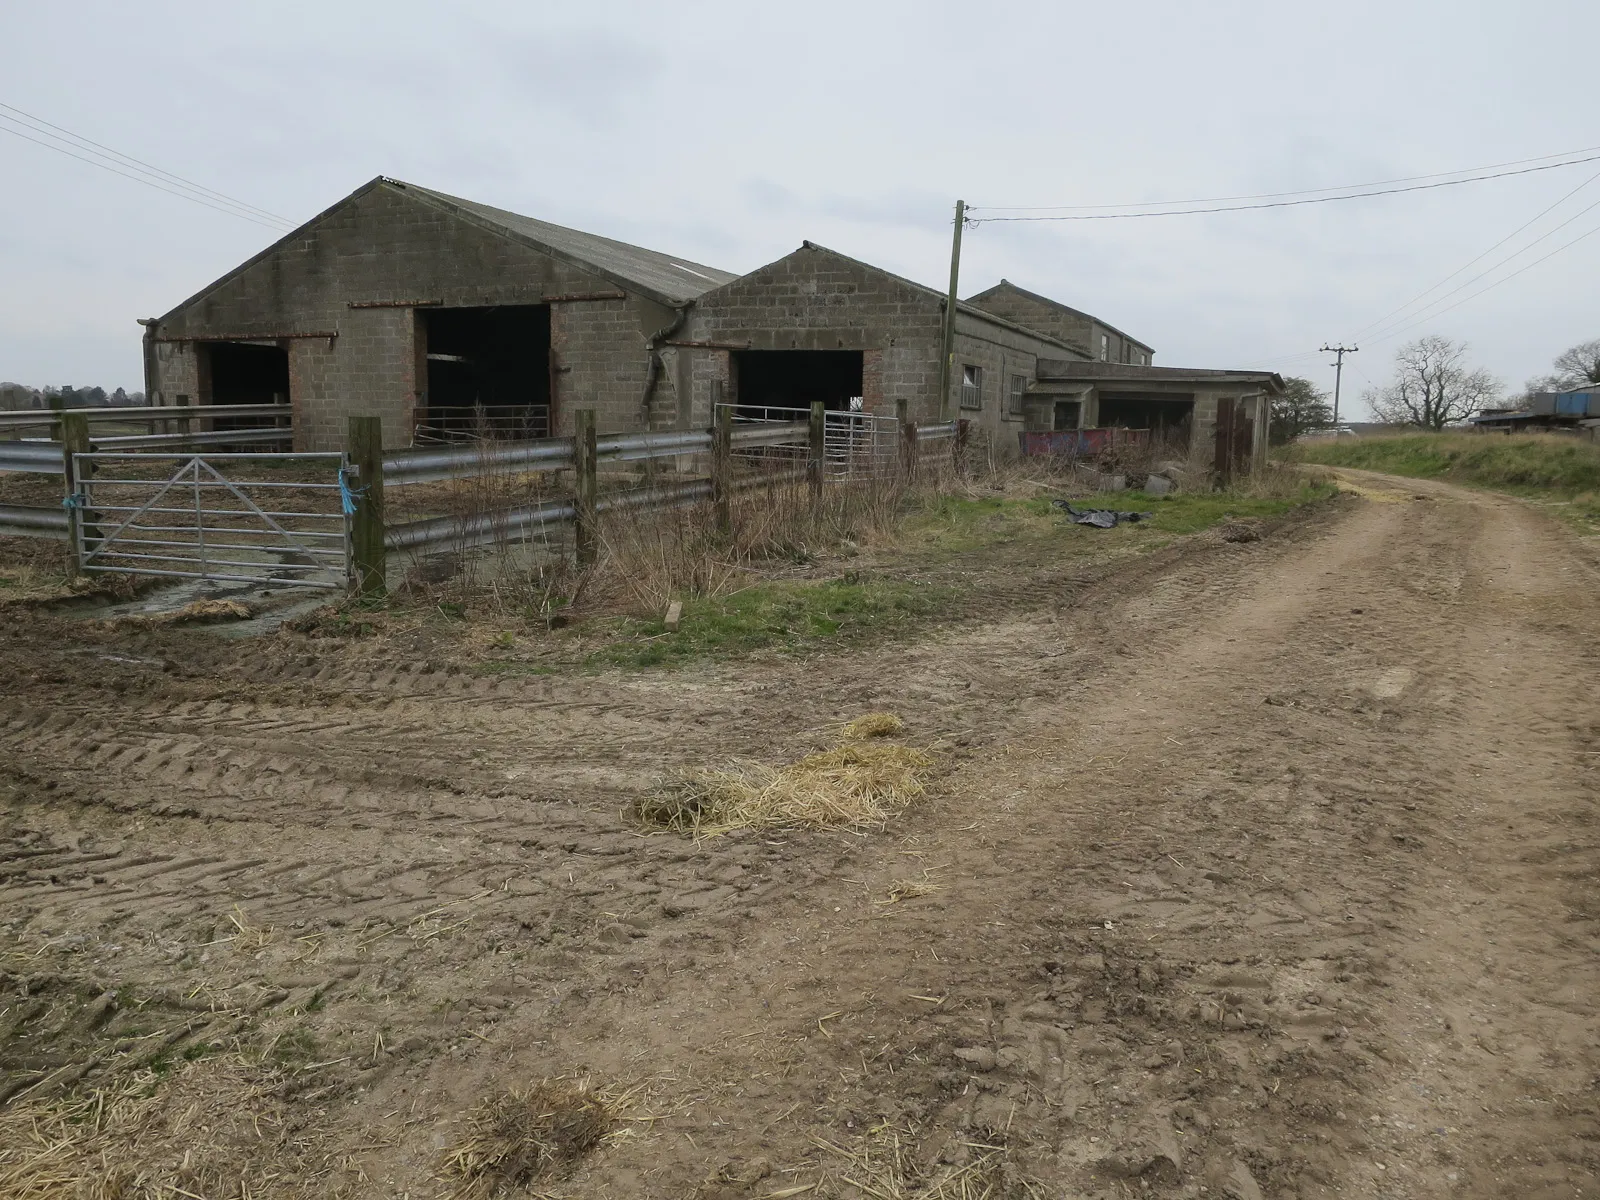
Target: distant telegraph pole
pixel 1338 375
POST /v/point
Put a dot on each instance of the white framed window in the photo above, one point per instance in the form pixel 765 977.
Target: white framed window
pixel 1105 347
pixel 1018 395
pixel 971 386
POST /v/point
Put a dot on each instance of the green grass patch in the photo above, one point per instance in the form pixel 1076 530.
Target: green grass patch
pixel 1560 471
pixel 959 524
pixel 781 615
pixel 1520 462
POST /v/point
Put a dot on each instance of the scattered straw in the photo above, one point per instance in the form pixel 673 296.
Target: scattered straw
pixel 873 725
pixel 213 1128
pixel 856 784
pixel 518 1137
pixel 248 938
pixel 886 1167
pixel 196 612
pixel 910 889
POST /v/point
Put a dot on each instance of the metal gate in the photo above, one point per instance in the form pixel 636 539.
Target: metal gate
pixel 858 445
pixel 227 517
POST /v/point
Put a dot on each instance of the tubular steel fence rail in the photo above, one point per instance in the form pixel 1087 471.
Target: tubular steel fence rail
pixel 141 414
pixel 136 505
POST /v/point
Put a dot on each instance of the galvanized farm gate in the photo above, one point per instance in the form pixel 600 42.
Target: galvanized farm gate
pixel 855 445
pixel 225 517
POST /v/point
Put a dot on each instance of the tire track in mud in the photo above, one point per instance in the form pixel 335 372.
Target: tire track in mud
pixel 1215 957
pixel 1191 857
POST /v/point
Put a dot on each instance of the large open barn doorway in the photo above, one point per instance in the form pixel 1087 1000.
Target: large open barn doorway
pixel 488 372
pixel 787 379
pixel 246 373
pixel 242 373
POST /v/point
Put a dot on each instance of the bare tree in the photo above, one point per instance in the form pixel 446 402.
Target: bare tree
pixel 1578 366
pixel 1432 386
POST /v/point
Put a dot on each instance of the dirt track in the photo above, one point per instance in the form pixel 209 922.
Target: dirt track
pixel 1266 869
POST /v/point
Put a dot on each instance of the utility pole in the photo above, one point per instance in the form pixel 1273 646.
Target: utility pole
pixel 1338 377
pixel 947 357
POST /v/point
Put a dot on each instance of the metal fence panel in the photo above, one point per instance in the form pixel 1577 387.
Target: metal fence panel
pixel 26 520
pixel 40 458
pixel 206 517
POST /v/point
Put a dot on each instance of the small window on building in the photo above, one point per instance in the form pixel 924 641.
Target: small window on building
pixel 971 386
pixel 1019 388
pixel 1105 347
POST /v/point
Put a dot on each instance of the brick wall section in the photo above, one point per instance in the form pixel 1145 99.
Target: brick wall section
pixel 815 299
pixel 385 244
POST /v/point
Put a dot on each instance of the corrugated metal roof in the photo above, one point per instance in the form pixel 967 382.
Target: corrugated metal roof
pixel 677 280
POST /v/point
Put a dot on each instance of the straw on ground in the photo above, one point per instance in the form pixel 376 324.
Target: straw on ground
pixel 524 1135
pixel 854 785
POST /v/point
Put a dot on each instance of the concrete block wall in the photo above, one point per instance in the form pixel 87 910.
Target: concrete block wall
pixel 388 245
pixel 815 299
pixel 1001 353
pixel 176 371
pixel 1058 321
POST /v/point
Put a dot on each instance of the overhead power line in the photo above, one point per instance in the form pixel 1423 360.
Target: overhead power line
pixel 1359 195
pixel 55 137
pixel 1426 311
pixel 1394 333
pixel 1542 158
pixel 1528 224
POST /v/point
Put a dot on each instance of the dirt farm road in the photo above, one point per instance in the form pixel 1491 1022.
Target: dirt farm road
pixel 1263 869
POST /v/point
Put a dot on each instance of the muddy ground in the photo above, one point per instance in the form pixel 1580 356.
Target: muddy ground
pixel 1263 869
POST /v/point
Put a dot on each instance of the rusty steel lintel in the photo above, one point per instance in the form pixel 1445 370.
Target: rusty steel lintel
pixel 394 303
pixel 579 297
pixel 686 345
pixel 563 298
pixel 250 337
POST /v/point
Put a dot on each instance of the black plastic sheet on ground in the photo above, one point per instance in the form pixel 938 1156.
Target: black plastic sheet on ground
pixel 1100 518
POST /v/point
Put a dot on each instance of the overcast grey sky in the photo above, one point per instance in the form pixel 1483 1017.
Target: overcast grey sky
pixel 730 132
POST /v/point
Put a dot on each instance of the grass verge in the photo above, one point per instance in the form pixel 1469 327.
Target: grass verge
pixel 1560 471
pixel 960 524
pixel 781 614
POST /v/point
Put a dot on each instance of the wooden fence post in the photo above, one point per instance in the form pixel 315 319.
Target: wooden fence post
pixel 722 468
pixel 908 438
pixel 74 433
pixel 585 460
pixel 369 557
pixel 815 459
pixel 959 446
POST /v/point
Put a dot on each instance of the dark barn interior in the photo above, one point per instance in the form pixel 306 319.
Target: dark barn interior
pixel 1166 417
pixel 766 379
pixel 244 373
pixel 496 358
